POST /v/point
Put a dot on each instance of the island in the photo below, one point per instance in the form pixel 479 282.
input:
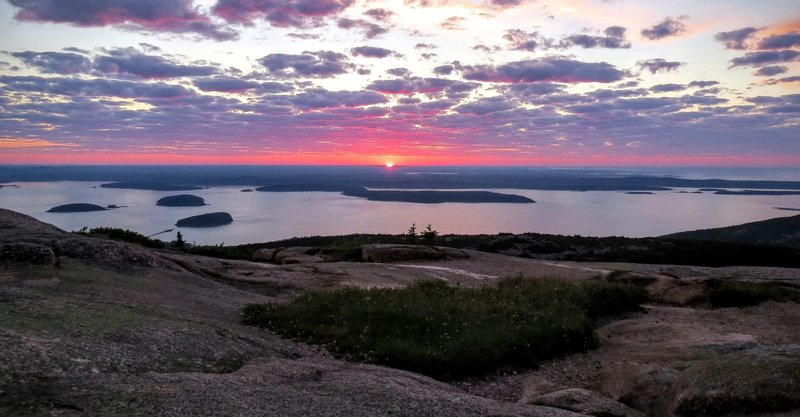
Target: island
pixel 756 192
pixel 219 218
pixel 640 192
pixel 76 208
pixel 436 197
pixel 181 200
pixel 151 186
pixel 247 190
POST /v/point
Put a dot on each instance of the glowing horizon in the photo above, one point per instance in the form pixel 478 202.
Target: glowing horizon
pixel 438 82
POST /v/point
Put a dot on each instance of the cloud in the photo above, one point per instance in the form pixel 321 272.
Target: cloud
pixel 55 62
pixel 503 4
pixel 446 69
pixel 771 70
pixel 667 88
pixel 409 86
pixel 280 13
pixel 792 79
pixel 756 59
pixel 320 64
pixel 304 36
pixel 425 46
pixel 94 88
pixel 21 143
pixel 129 61
pixel 521 40
pixel 369 30
pixel 614 39
pixel 398 72
pixel 372 52
pixel 659 65
pixel 782 41
pixel 318 98
pixel 485 106
pixel 453 23
pixel 736 39
pixel 227 84
pixel 702 84
pixel 379 14
pixel 666 28
pixel 552 69
pixel 428 55
pixel 176 16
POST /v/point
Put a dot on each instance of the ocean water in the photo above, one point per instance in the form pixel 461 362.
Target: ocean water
pixel 266 216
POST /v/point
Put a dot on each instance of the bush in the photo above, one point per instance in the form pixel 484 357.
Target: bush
pixel 123 235
pixel 448 332
pixel 722 293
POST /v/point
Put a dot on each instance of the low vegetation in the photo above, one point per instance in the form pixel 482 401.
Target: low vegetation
pixel 726 293
pixel 124 235
pixel 449 332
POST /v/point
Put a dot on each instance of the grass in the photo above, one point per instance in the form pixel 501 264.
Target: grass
pixel 449 332
pixel 723 293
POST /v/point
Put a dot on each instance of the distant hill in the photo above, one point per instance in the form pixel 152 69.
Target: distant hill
pixel 782 231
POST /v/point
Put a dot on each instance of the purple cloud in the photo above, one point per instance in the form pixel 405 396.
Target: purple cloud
pixel 320 64
pixel 659 65
pixel 782 41
pixel 129 61
pixel 760 58
pixel 772 70
pixel 452 23
pixel 667 88
pixel 446 69
pixel 702 84
pixel 176 16
pixel 551 69
pixel 792 79
pixel 736 39
pixel 614 39
pixel 379 14
pixel 370 30
pixel 55 62
pixel 505 3
pixel 227 84
pixel 318 98
pixel 372 52
pixel 409 86
pixel 425 46
pixel 95 88
pixel 485 106
pixel 666 28
pixel 280 13
pixel 398 72
pixel 523 41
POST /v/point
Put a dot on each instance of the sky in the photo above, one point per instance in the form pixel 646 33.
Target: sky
pixel 409 82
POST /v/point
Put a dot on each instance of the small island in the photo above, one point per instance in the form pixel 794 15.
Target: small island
pixel 756 192
pixel 639 192
pixel 247 190
pixel 76 208
pixel 181 200
pixel 219 218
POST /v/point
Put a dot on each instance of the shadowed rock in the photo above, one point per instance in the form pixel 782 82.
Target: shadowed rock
pixel 27 253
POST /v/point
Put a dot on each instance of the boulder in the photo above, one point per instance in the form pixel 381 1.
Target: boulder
pixel 297 255
pixel 585 401
pixel 27 253
pixel 264 255
pixel 391 253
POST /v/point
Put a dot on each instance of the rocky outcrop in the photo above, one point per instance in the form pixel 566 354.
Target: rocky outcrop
pixel 30 253
pixel 393 253
pixel 585 401
pixel 219 218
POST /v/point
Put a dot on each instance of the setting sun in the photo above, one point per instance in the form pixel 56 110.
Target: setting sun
pixel 389 164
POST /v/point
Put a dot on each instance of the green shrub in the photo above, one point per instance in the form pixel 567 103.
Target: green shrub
pixel 123 235
pixel 722 293
pixel 443 331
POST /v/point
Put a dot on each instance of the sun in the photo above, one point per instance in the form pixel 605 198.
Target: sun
pixel 389 164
